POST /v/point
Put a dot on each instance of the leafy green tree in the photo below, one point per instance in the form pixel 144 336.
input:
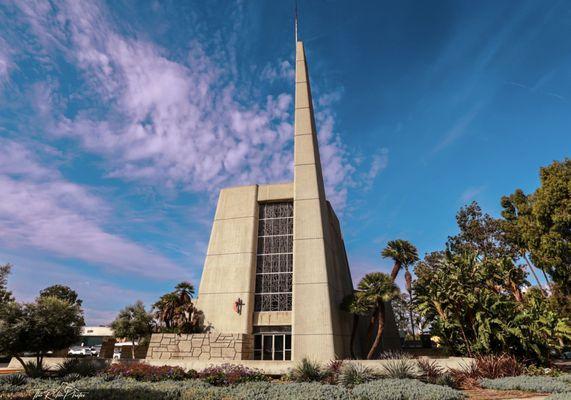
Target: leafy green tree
pixel 404 254
pixel 470 310
pixel 540 224
pixel 133 323
pixel 62 292
pixel 482 237
pixel 378 288
pixel 48 324
pixel 5 294
pixel 359 306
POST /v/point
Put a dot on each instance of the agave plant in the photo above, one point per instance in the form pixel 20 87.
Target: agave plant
pixel 353 374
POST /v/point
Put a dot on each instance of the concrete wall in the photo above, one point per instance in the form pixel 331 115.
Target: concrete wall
pixel 229 268
pixel 230 262
pixel 200 346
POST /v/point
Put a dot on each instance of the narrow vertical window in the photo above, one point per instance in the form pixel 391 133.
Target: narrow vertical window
pixel 274 257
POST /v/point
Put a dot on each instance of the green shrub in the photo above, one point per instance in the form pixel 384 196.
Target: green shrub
pixel 432 372
pixel 353 374
pixel 399 369
pixel 404 389
pixel 527 383
pixel 559 396
pixel 306 371
pixel 33 370
pixel 81 366
pixel 14 379
pixel 276 391
pixel 96 388
pixel 71 377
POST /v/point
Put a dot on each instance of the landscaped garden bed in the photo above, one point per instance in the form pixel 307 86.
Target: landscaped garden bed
pixel 400 379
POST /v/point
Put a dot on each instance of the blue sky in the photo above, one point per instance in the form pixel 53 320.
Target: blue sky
pixel 120 121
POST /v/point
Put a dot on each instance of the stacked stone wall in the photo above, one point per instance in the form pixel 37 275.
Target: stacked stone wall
pixel 201 346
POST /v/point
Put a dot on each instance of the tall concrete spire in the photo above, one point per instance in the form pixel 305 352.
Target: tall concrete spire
pixel 317 292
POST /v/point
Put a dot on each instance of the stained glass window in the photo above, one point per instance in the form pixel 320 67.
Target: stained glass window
pixel 275 257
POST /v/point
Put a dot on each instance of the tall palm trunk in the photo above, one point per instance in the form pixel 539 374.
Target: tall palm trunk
pixel 395 271
pixel 380 327
pixel 354 335
pixel 530 266
pixel 408 281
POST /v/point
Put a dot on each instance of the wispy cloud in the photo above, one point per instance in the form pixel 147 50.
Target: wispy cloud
pixel 178 124
pixel 458 129
pixel 42 210
pixel 471 194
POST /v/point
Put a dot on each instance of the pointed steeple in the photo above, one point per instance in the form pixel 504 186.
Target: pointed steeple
pixel 315 322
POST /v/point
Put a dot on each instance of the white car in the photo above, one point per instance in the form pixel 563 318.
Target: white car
pixel 79 351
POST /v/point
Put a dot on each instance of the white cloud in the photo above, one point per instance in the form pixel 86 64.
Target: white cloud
pixel 5 61
pixel 178 124
pixel 42 210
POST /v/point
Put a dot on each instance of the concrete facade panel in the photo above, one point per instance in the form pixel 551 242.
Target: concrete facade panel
pixel 304 150
pixel 270 318
pixel 300 71
pixel 301 95
pixel 280 191
pixel 308 220
pixel 302 124
pixel 307 254
pixel 219 314
pixel 232 236
pixel 306 180
pixel 236 202
pixel 225 273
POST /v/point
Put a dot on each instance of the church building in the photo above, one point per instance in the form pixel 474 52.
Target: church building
pixel 276 268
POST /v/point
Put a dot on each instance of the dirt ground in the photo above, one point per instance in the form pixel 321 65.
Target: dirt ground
pixel 488 394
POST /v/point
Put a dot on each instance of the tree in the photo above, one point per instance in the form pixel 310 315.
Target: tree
pixel 404 254
pixel 5 294
pixel 175 311
pixel 62 292
pixel 133 323
pixel 483 237
pixel 471 307
pixel 357 305
pixel 185 290
pixel 48 324
pixel 540 224
pixel 378 288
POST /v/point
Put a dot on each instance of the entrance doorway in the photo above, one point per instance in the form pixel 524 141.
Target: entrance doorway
pixel 272 343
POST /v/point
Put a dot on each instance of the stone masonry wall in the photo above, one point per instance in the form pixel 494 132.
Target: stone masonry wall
pixel 201 346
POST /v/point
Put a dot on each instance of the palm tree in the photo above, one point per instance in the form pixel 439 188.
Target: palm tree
pixel 357 305
pixel 185 290
pixel 378 288
pixel 402 252
pixel 166 309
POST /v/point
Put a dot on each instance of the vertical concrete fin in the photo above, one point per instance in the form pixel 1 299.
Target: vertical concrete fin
pixel 306 148
pixel 313 327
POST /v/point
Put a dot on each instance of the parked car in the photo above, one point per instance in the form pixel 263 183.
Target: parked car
pixel 80 351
